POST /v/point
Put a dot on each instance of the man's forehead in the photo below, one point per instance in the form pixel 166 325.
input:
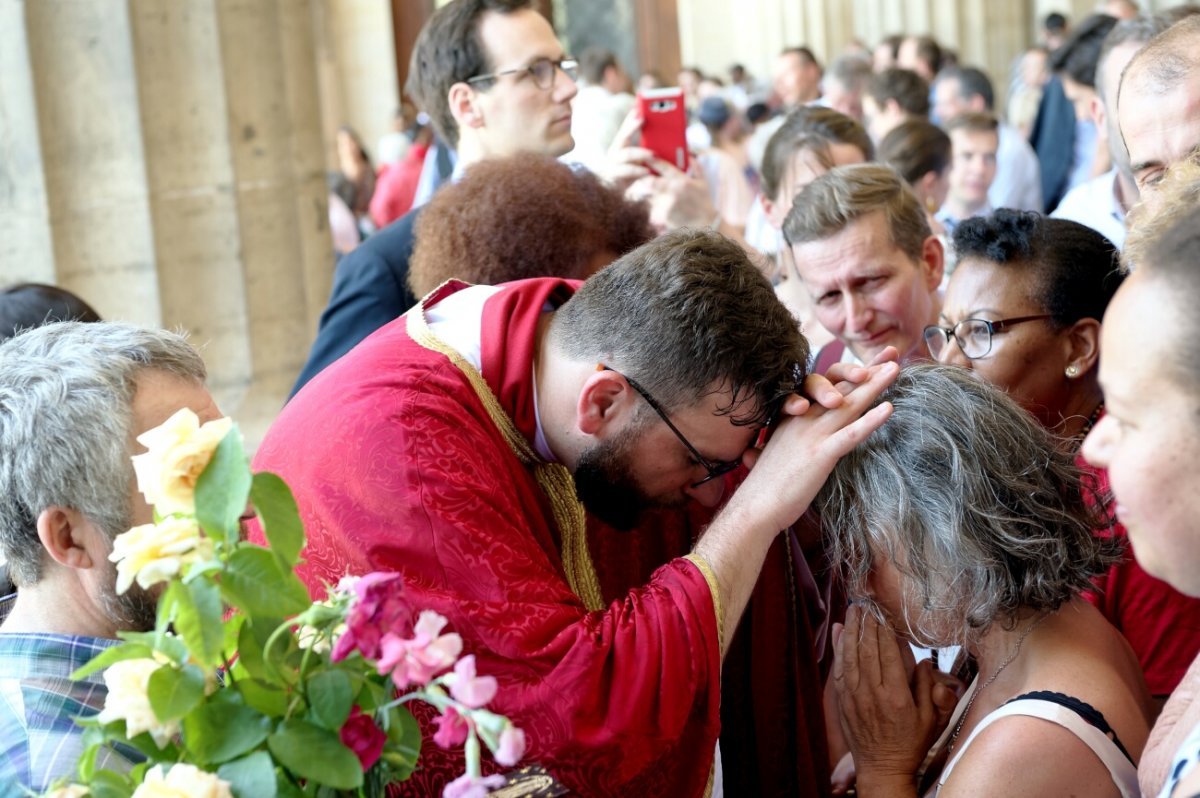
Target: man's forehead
pixel 517 38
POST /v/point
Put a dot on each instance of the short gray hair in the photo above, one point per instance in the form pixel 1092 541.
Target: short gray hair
pixel 66 396
pixel 982 509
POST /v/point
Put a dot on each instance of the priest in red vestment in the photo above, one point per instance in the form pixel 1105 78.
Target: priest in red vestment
pixel 460 444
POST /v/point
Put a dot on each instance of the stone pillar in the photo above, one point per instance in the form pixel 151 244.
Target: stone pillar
pixel 93 162
pixel 165 161
pixel 26 252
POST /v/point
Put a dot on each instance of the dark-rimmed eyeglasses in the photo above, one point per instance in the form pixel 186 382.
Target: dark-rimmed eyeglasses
pixel 543 71
pixel 714 468
pixel 974 336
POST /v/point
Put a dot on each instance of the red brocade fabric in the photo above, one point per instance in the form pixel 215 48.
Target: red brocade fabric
pixel 396 465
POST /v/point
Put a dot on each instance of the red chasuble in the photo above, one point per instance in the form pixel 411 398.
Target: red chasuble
pixel 398 463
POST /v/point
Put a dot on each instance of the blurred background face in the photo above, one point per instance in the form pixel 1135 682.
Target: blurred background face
pixel 805 168
pixel 844 99
pixel 1149 440
pixel 1026 360
pixel 974 165
pixel 947 102
pixel 795 80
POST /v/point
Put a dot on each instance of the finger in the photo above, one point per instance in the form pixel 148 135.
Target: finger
pixel 889 354
pixel 844 440
pixel 907 658
pixel 822 391
pixel 750 457
pixel 891 661
pixel 630 127
pixel 795 405
pixel 846 372
pixel 870 674
pixel 923 685
pixel 846 662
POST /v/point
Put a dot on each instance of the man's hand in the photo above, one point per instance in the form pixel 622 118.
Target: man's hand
pixel 786 475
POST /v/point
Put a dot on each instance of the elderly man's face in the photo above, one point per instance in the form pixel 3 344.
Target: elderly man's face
pixel 1159 129
pixel 867 291
pixel 158 396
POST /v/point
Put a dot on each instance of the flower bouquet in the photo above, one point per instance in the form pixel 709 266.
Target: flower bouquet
pixel 245 687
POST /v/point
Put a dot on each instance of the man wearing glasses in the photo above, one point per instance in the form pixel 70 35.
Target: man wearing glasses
pixel 868 259
pixel 495 81
pixel 462 445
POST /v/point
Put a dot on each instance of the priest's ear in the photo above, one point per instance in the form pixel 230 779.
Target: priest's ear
pixel 606 404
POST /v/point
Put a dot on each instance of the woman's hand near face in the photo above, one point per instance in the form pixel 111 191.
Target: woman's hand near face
pixel 888 721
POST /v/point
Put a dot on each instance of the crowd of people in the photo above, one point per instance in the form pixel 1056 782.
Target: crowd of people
pixel 855 457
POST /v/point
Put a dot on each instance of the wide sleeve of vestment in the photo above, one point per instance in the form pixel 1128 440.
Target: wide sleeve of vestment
pixel 396 465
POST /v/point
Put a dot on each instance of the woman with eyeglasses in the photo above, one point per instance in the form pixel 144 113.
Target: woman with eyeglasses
pixel 1023 311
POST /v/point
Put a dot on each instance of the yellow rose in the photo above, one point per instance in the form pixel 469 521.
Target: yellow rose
pixel 128 682
pixel 182 781
pixel 178 451
pixel 154 553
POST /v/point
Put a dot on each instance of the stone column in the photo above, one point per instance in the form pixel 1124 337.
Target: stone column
pixel 165 161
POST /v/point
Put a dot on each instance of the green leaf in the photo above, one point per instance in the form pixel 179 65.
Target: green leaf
pixel 251 776
pixel 331 696
pixel 255 582
pixel 250 641
pixel 266 698
pixel 220 731
pixel 315 754
pixel 173 647
pixel 107 784
pixel 404 742
pixel 198 611
pixel 223 488
pixel 173 692
pixel 115 654
pixel 276 508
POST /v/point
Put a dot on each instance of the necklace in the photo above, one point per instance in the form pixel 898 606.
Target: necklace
pixel 1091 421
pixel 996 673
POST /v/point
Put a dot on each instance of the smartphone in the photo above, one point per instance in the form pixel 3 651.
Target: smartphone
pixel 664 125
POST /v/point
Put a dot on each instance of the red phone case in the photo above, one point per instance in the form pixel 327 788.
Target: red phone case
pixel 664 125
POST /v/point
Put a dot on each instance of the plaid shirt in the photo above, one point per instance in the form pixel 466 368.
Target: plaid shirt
pixel 39 741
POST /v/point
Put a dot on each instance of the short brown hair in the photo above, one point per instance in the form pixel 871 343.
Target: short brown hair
pixel 814 129
pixel 448 51
pixel 841 196
pixel 907 88
pixel 974 121
pixel 916 148
pixel 523 216
pixel 684 314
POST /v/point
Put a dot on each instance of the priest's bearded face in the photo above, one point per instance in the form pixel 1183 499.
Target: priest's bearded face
pixel 606 486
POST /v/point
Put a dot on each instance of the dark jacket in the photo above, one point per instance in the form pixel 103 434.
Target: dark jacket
pixel 370 288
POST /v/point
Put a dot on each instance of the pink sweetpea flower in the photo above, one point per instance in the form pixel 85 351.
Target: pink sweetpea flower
pixel 363 737
pixel 418 659
pixel 452 729
pixel 466 787
pixel 469 689
pixel 379 607
pixel 511 747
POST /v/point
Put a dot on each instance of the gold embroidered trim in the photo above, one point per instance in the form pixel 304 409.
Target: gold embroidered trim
pixel 553 478
pixel 713 586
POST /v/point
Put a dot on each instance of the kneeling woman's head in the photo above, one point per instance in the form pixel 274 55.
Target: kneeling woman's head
pixel 961 512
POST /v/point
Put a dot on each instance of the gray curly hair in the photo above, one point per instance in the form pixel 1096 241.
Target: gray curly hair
pixel 980 508
pixel 66 396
